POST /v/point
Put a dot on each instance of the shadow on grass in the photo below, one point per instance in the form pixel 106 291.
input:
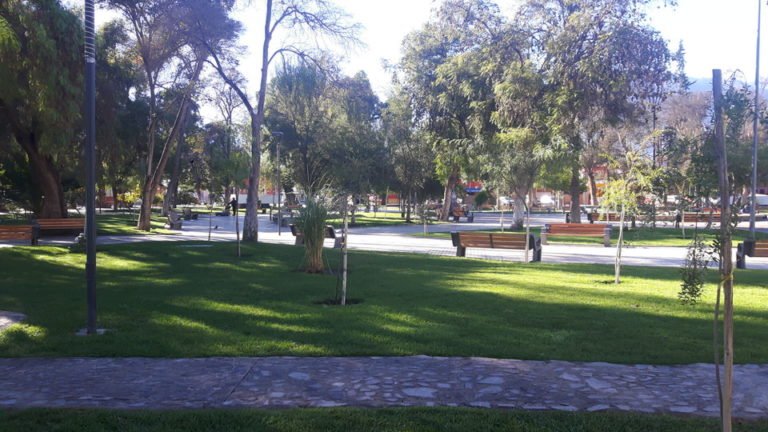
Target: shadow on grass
pixel 169 301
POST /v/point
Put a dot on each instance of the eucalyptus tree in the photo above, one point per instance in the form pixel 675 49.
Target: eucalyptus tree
pixel 442 71
pixel 169 37
pixel 41 88
pixel 601 61
pixel 320 18
pixel 411 154
pixel 122 119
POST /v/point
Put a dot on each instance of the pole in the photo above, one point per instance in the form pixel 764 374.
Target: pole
pixel 279 192
pixel 90 165
pixel 726 264
pixel 753 206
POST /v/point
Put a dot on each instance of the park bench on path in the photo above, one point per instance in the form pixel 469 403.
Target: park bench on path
pixel 463 240
pixel 461 213
pixel 187 214
pixel 753 248
pixel 174 221
pixel 285 219
pixel 57 225
pixel 579 230
pixel 330 233
pixel 19 232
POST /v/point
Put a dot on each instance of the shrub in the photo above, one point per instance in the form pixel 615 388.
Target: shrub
pixel 311 221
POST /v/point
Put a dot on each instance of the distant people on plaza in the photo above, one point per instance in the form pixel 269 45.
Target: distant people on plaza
pixel 233 205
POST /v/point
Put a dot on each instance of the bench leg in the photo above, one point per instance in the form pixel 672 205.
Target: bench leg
pixel 741 262
pixel 461 251
pixel 299 241
pixel 607 239
pixel 337 243
pixel 471 218
pixel 537 251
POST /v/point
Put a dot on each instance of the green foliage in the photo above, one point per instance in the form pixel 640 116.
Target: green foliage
pixel 481 198
pixel 694 271
pixel 311 221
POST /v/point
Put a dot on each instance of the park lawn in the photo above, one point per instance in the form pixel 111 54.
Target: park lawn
pixel 370 219
pixel 632 237
pixel 169 300
pixel 109 223
pixel 355 419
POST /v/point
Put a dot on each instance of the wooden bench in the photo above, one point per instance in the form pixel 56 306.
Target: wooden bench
pixel 463 240
pixel 460 213
pixel 67 224
pixel 19 232
pixel 753 248
pixel 580 230
pixel 330 233
pixel 174 222
pixel 187 214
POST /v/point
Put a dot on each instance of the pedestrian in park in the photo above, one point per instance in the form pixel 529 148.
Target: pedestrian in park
pixel 233 204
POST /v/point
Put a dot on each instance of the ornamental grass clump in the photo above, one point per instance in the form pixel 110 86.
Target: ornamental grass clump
pixel 311 221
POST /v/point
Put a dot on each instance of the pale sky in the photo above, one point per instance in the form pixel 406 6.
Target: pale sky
pixel 715 33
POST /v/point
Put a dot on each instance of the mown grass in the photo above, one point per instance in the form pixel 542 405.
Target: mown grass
pixel 168 300
pixel 109 223
pixel 354 419
pixel 370 219
pixel 640 236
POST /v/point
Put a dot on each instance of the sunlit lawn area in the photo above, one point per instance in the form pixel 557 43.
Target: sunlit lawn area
pixel 633 237
pixel 370 219
pixel 109 223
pixel 168 300
pixel 354 419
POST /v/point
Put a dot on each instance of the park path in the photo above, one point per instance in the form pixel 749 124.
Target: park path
pixel 401 238
pixel 281 382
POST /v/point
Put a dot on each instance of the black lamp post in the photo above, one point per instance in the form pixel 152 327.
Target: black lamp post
pixel 90 164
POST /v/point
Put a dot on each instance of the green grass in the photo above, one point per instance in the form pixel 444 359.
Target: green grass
pixel 366 220
pixel 633 236
pixel 109 223
pixel 354 419
pixel 166 300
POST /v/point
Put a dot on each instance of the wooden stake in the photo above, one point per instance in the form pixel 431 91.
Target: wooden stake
pixel 726 267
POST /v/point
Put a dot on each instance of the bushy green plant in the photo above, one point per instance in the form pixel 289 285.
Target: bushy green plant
pixel 311 221
pixel 481 198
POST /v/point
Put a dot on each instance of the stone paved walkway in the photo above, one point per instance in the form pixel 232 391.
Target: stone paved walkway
pixel 278 382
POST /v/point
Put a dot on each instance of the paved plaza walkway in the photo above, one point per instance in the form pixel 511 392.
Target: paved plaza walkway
pixel 281 382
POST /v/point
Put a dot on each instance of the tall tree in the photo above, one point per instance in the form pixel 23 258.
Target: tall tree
pixel 39 105
pixel 442 73
pixel 318 17
pixel 601 60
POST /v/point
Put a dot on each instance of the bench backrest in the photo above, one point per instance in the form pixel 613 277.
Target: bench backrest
pixel 68 223
pixel 611 217
pixel 329 231
pixel 16 232
pixel 490 240
pixel 701 217
pixel 576 229
pixel 759 248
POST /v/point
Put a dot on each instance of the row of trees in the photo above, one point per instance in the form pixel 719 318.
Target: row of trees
pixel 540 98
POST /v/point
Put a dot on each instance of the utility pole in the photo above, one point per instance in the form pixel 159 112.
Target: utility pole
pixel 90 164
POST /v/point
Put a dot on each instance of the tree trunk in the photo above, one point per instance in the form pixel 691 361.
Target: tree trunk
pixel 450 184
pixel 45 176
pixel 575 194
pixel 518 217
pixel 115 204
pixel 152 182
pixel 251 224
pixel 173 185
pixel 592 187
